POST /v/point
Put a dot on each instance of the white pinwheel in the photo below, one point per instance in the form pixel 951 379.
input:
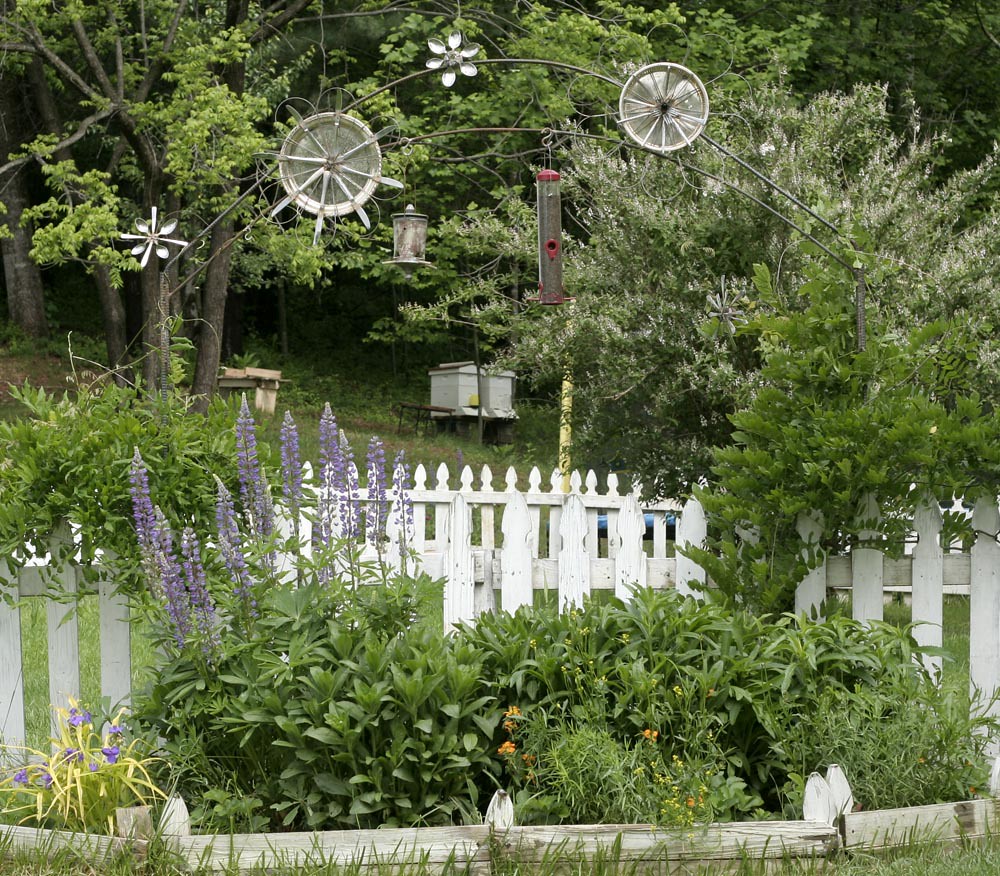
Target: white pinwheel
pixel 152 238
pixel 452 56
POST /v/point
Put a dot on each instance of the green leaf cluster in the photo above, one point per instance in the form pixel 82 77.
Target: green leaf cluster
pixel 852 438
pixel 347 713
pixel 711 684
pixel 67 460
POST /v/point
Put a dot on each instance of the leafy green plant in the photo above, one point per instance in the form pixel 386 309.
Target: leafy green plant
pixel 720 688
pixel 805 444
pixel 67 459
pixel 312 660
pixel 86 776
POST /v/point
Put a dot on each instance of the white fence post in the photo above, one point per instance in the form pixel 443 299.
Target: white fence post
pixel 811 591
pixel 630 558
pixel 116 644
pixel 692 529
pixel 574 559
pixel 459 568
pixel 928 579
pixel 867 565
pixel 984 601
pixel 11 663
pixel 515 556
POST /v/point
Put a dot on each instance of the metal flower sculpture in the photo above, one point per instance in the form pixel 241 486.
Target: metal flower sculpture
pixel 725 307
pixel 453 56
pixel 153 238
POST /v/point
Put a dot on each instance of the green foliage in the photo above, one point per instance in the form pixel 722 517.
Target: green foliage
pixel 344 711
pixel 891 753
pixel 79 783
pixel 721 689
pixel 851 438
pixel 67 459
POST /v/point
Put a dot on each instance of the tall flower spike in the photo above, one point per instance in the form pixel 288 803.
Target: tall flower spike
pixel 452 56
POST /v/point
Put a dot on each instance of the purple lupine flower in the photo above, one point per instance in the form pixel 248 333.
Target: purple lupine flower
pixel 331 466
pixel 21 777
pixel 111 753
pixel 202 605
pixel 291 464
pixel 231 549
pixel 349 504
pixel 401 486
pixel 253 488
pixel 376 511
pixel 168 574
pixel 142 504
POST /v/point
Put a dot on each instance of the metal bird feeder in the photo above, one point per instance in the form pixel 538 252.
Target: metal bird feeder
pixel 409 241
pixel 550 281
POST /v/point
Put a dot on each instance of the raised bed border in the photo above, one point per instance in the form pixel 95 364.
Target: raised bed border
pixel 473 848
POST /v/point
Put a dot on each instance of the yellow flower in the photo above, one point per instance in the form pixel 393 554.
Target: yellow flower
pixel 513 711
pixel 678 690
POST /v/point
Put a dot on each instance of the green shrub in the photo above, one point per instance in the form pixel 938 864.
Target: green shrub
pixel 68 457
pixel 721 689
pixel 341 711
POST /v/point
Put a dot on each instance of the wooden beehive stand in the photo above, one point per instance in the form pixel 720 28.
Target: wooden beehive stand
pixel 828 827
pixel 263 381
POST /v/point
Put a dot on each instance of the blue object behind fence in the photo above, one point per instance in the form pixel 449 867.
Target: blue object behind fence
pixel 602 525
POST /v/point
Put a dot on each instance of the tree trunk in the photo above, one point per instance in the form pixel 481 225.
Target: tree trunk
pixel 213 314
pixel 113 312
pixel 25 295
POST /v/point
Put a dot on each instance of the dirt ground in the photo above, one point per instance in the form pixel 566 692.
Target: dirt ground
pixel 45 371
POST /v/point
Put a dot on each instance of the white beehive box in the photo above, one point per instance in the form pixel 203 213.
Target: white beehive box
pixel 454 385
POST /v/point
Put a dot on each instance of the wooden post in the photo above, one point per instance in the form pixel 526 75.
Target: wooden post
pixel 811 591
pixel 928 580
pixel 692 529
pixel 574 561
pixel 984 603
pixel 11 664
pixel 630 559
pixel 867 565
pixel 515 557
pixel 459 570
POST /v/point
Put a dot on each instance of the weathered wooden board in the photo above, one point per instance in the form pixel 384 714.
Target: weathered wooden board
pixel 92 848
pixel 706 844
pixel 435 847
pixel 888 828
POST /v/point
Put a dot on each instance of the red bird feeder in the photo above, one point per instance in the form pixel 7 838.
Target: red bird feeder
pixel 550 282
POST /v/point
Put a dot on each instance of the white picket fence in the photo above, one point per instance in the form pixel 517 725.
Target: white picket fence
pixel 496 544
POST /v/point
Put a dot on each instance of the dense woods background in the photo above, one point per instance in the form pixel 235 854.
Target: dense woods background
pixel 881 117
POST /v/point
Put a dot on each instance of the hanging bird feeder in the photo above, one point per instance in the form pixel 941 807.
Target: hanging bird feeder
pixel 409 241
pixel 550 281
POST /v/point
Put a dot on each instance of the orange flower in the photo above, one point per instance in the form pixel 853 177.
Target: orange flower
pixel 651 735
pixel 512 712
pixel 690 802
pixel 507 748
pixel 529 759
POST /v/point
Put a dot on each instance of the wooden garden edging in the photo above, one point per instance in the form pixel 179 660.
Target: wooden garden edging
pixel 474 849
